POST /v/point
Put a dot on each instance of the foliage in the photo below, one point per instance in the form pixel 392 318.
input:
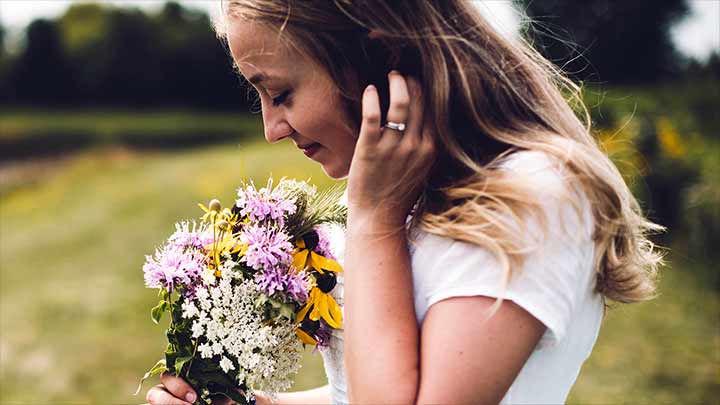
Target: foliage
pixel 612 41
pixel 99 54
pixel 664 140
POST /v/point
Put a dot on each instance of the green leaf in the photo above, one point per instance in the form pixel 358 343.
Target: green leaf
pixel 232 394
pixel 158 368
pixel 180 363
pixel 157 311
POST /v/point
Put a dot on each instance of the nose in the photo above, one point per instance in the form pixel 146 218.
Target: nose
pixel 275 124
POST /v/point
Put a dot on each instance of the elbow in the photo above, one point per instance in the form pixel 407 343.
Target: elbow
pixel 384 390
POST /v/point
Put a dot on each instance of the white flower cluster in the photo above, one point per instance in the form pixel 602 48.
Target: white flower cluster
pixel 265 356
pixel 291 187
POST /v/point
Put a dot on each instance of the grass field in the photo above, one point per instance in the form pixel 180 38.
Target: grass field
pixel 74 315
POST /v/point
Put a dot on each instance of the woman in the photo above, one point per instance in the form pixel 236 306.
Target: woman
pixel 485 226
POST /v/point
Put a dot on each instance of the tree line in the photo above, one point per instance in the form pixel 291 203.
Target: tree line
pixel 98 54
pixel 101 55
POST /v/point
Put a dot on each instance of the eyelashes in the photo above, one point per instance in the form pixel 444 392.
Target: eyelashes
pixel 256 105
pixel 281 98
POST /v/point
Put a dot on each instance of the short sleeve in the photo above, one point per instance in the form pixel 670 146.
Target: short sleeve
pixel 554 276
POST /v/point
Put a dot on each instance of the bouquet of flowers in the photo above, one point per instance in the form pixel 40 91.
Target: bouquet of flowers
pixel 246 287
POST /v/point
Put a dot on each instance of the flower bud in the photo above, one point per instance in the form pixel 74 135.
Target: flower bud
pixel 214 204
pixel 223 224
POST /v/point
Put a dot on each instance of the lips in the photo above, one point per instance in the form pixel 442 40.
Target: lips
pixel 310 149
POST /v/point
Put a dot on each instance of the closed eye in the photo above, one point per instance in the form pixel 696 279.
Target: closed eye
pixel 281 98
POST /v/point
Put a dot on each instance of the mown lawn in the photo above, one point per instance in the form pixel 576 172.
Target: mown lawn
pixel 74 315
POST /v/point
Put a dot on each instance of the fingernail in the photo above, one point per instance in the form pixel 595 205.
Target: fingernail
pixel 370 88
pixel 394 72
pixel 190 397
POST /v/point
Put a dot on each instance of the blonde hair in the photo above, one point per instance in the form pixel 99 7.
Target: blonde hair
pixel 488 96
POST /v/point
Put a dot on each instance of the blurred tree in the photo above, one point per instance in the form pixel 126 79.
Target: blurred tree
pixel 2 44
pixel 117 56
pixel 130 67
pixel 4 63
pixel 195 65
pixel 615 41
pixel 84 28
pixel 41 75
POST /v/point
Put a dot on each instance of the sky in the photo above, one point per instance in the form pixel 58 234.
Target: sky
pixel 696 36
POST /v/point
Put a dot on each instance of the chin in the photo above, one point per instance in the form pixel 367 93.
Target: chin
pixel 336 172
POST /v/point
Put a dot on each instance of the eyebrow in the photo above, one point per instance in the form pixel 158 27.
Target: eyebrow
pixel 257 78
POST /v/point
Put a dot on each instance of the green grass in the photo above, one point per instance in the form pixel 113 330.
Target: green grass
pixel 31 133
pixel 74 315
pixel 107 124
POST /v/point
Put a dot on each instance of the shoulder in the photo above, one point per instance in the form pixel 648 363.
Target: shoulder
pixel 558 261
pixel 545 174
pixel 562 201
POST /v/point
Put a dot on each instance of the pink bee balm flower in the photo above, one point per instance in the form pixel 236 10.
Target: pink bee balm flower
pixel 259 205
pixel 266 248
pixel 173 266
pixel 287 282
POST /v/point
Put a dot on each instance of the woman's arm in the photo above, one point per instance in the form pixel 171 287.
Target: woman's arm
pixel 381 331
pixel 388 167
pixel 469 358
pixel 466 357
pixel 462 358
pixel 315 396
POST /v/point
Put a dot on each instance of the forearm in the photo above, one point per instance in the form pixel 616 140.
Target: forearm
pixel 315 396
pixel 381 331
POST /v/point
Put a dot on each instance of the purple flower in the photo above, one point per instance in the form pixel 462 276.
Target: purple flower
pixel 267 248
pixel 173 266
pixel 258 205
pixel 322 335
pixel 184 237
pixel 296 286
pixel 291 285
pixel 270 281
pixel 323 246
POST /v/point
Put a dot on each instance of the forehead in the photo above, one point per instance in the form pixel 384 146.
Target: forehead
pixel 258 48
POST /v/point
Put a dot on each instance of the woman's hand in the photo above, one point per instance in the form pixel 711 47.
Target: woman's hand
pixel 172 391
pixel 390 166
pixel 176 391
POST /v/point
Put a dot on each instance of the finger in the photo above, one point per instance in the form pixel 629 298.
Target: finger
pixel 416 113
pixel 370 126
pixel 178 387
pixel 159 396
pixel 399 100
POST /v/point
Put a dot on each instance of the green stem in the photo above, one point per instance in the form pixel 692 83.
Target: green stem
pixel 170 305
pixel 187 373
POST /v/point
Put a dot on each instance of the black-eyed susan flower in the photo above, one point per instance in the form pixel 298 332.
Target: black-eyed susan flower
pixel 324 306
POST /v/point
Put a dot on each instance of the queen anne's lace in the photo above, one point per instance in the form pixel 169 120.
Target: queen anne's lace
pixel 232 329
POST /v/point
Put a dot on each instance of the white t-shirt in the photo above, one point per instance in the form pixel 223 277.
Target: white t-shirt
pixel 556 285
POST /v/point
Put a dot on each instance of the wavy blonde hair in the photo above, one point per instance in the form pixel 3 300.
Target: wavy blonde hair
pixel 488 96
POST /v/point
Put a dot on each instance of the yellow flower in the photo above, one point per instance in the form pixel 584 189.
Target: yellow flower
pixel 211 211
pixel 669 139
pixel 305 257
pixel 305 338
pixel 226 245
pixel 323 306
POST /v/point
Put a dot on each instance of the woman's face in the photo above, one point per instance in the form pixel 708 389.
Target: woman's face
pixel 299 99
